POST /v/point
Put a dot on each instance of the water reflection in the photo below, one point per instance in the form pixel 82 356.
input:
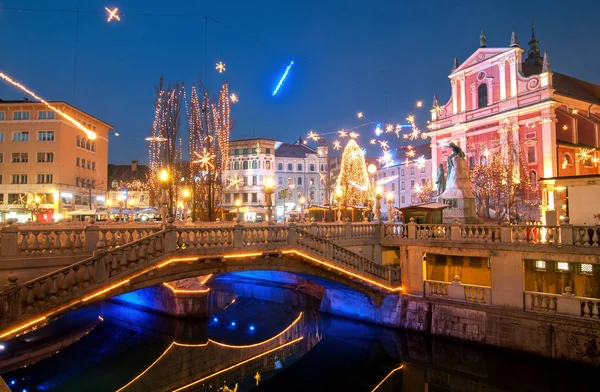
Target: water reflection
pixel 266 339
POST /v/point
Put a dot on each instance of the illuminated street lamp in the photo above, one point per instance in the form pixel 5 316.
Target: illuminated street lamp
pixel 180 208
pixel 131 205
pixel 186 197
pixel 269 189
pixel 390 201
pixel 302 200
pixel 164 183
pixel 238 203
pixel 108 205
pixel 378 192
pixel 121 199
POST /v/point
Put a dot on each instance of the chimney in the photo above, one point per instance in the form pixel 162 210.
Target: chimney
pixel 134 166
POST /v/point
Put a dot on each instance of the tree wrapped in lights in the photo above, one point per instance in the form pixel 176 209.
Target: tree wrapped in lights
pixel 209 132
pixel 354 179
pixel 500 180
pixel 165 144
pixel 424 192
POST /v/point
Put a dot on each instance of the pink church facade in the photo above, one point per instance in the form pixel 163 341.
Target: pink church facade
pixel 554 118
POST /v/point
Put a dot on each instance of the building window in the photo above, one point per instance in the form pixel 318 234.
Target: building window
pixel 312 167
pixel 21 116
pixel 412 184
pixel 254 164
pixel 290 167
pixel 423 181
pixel 312 181
pixel 89 165
pixel 255 198
pixel 93 165
pixel 245 152
pixel 45 157
pixel 531 158
pixel 78 162
pixel 21 136
pixel 393 186
pixel 402 172
pixel 562 267
pixel 245 197
pixel 539 265
pixel 254 151
pixel 78 142
pixel 94 146
pixel 268 151
pixel 83 163
pixel 268 165
pixel 228 198
pixel 1 116
pixel 299 180
pixel 280 181
pixel 245 165
pixel 299 167
pixel 46 115
pixel 45 136
pixel 423 169
pixel 17 198
pixel 20 157
pixel 236 151
pixel 482 96
pixel 18 179
pixel 44 179
pixel 412 171
pixel 566 161
pixel 1 157
pixel 254 180
pixel 245 180
pixel 532 178
pixel 403 200
pixel 586 269
pixel 402 185
pixel 236 165
pixel 280 166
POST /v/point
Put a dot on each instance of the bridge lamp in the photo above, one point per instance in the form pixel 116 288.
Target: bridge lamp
pixel 131 205
pixel 164 182
pixel 233 323
pixel 390 201
pixel 378 193
pixel 269 189
pixel 164 176
pixel 371 168
pixel 251 327
pixel 186 196
pixel 238 204
pixel 302 200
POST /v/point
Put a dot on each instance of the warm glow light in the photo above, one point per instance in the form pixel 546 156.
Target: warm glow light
pixel 108 203
pixel 186 193
pixel 178 291
pixel 90 134
pixel 220 67
pixel 238 202
pixel 112 14
pixel 565 127
pixel 390 197
pixel 37 199
pixel 180 205
pixel 419 104
pixel 386 377
pixel 19 328
pixel 338 192
pixel 269 183
pixel 164 176
pixel 131 202
pixel 105 290
pixel 372 168
pixel 359 114
pixel 378 191
pixel 206 279
pixel 236 256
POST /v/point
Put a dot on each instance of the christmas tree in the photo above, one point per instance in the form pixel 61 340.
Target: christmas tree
pixel 353 180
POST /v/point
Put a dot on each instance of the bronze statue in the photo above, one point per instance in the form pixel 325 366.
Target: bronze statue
pixel 441 180
pixel 456 152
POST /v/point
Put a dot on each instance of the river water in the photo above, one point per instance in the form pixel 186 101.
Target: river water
pixel 282 343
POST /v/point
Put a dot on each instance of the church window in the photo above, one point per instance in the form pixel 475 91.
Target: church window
pixel 482 95
pixel 531 158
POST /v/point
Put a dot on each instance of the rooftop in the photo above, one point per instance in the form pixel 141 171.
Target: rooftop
pixel 30 102
pixel 296 150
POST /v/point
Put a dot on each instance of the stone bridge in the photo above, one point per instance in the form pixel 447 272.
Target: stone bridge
pixel 180 252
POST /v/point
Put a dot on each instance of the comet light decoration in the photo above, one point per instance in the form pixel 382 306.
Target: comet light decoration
pixel 90 134
pixel 220 67
pixel 282 79
pixel 112 14
pixel 373 141
pixel 586 155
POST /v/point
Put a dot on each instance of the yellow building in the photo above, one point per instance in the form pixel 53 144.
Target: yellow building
pixel 47 165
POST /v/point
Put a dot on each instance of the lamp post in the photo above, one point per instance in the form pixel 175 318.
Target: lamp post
pixel 338 196
pixel 186 197
pixel 121 199
pixel 238 203
pixel 378 192
pixel 108 205
pixel 131 205
pixel 164 183
pixel 269 189
pixel 390 202
pixel 180 208
pixel 302 200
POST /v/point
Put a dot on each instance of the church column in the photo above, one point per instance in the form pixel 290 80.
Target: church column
pixel 549 148
pixel 513 76
pixel 454 96
pixel 434 156
pixel 502 71
pixel 463 92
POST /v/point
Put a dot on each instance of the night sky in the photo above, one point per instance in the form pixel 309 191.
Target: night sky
pixel 378 57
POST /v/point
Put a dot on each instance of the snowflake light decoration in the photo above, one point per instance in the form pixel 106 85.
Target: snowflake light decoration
pixel 220 67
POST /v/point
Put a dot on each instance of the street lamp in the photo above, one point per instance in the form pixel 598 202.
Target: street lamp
pixel 108 205
pixel 180 208
pixel 302 200
pixel 131 205
pixel 338 196
pixel 164 183
pixel 269 189
pixel 378 192
pixel 390 202
pixel 238 203
pixel 186 196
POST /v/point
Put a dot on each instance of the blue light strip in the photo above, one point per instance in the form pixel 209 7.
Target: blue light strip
pixel 283 78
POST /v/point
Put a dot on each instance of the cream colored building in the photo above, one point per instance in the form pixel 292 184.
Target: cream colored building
pixel 47 165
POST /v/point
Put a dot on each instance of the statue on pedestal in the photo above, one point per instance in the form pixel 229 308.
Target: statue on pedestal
pixel 441 180
pixel 456 152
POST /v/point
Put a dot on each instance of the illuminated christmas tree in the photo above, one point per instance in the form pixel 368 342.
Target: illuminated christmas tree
pixel 353 180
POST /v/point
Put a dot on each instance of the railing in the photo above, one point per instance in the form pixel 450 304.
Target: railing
pixel 565 304
pixel 480 233
pixel 425 232
pixel 459 291
pixel 586 235
pixel 191 238
pixel 395 231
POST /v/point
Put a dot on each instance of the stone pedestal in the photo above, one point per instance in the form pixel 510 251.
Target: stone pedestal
pixel 458 195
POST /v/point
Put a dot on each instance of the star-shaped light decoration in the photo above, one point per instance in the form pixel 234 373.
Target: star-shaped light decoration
pixel 313 135
pixel 204 159
pixel 419 104
pixel 354 135
pixel 342 133
pixel 337 145
pixel 112 14
pixel 585 154
pixel 411 153
pixel 389 128
pixel 410 119
pixel 359 115
pixel 234 98
pixel 235 182
pixel 414 134
pixel 257 377
pixel 398 130
pixel 373 141
pixel 420 162
pixel 406 161
pixel 384 145
pixel 220 67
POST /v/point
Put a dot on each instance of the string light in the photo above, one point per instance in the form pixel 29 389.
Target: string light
pixel 90 134
pixel 353 168
pixel 112 14
pixel 220 67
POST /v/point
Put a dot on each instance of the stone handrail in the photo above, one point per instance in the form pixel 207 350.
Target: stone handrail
pixel 424 232
pixel 565 304
pixel 480 233
pixel 586 235
pixel 459 291
pixel 67 284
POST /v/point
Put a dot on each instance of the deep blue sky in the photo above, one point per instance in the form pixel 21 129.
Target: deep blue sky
pixel 378 57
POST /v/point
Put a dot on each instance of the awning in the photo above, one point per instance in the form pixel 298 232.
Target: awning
pixel 245 209
pixel 82 212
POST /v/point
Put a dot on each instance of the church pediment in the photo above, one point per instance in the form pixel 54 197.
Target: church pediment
pixel 479 56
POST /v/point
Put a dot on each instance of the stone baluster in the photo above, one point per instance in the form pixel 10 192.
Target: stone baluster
pixel 65 285
pixel 595 236
pixel 92 238
pixel 57 242
pixel 30 298
pixel 68 242
pixel 53 289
